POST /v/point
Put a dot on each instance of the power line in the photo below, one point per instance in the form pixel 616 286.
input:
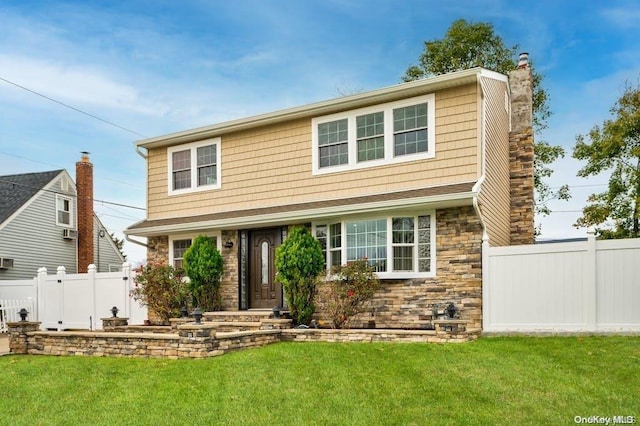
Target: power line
pixel 73 108
pixel 72 195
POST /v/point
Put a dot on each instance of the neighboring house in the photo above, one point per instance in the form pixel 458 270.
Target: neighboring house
pixel 43 223
pixel 409 176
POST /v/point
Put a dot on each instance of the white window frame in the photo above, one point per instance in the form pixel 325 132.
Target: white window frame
pixel 389 158
pixel 193 148
pixel 177 237
pixel 71 215
pixel 390 273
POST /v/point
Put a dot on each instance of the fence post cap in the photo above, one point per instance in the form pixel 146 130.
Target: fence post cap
pixel 61 269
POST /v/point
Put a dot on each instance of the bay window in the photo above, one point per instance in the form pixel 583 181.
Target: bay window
pixel 398 246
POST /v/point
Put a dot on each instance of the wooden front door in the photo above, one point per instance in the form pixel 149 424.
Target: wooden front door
pixel 264 292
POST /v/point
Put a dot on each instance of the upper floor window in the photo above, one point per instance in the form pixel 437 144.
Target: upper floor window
pixel 383 134
pixel 64 211
pixel 397 247
pixel 194 167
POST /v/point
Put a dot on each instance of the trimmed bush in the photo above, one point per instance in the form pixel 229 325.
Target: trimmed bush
pixel 299 261
pixel 203 265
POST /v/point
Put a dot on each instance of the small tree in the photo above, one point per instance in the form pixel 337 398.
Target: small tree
pixel 351 286
pixel 160 287
pixel 299 261
pixel 203 265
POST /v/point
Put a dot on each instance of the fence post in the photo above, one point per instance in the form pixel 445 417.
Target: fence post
pixel 126 283
pixel 41 308
pixel 486 290
pixel 61 273
pixel 590 288
pixel 91 278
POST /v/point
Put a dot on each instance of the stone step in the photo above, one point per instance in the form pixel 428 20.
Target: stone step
pixel 235 316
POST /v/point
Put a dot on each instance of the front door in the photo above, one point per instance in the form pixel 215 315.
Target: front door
pixel 264 292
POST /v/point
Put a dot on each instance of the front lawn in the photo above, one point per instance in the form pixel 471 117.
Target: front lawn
pixel 514 380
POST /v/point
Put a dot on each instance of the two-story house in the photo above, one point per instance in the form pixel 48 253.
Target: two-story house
pixel 410 176
pixel 48 221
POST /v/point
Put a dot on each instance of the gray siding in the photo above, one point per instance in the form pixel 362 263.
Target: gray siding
pixel 105 252
pixel 34 240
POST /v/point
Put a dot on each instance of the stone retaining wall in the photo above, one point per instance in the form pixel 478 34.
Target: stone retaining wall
pixel 200 341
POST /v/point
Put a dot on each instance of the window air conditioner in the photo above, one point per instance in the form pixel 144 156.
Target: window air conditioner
pixel 69 234
pixel 6 263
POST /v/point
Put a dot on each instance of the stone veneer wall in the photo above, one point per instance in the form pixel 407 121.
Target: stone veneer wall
pixel 408 303
pixel 158 248
pixel 521 156
pixel 229 285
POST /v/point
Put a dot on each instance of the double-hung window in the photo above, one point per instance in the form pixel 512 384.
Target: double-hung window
pixel 64 211
pixel 397 246
pixel 194 167
pixel 383 134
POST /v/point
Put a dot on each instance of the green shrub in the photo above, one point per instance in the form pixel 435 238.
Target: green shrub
pixel 160 287
pixel 349 288
pixel 203 265
pixel 299 261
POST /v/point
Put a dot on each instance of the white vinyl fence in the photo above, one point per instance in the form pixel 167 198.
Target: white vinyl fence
pixel 576 286
pixel 76 301
pixel 9 309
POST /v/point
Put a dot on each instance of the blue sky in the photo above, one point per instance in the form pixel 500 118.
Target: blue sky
pixel 156 67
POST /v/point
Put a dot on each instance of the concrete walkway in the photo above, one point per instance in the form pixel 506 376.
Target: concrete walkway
pixel 4 344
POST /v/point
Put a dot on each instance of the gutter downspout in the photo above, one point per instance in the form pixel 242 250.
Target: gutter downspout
pixel 126 236
pixel 478 185
pixel 140 243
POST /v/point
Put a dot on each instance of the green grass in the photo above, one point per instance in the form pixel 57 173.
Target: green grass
pixel 514 380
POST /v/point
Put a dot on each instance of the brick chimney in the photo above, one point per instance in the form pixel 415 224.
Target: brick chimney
pixel 521 154
pixel 84 185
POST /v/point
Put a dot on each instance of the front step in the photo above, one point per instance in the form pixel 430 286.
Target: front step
pixel 237 316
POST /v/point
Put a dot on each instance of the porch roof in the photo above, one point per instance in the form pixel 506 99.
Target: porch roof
pixel 432 197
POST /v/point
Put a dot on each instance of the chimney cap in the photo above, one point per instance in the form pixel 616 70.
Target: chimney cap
pixel 85 156
pixel 523 60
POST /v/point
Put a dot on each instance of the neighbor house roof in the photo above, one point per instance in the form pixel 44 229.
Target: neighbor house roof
pixel 16 190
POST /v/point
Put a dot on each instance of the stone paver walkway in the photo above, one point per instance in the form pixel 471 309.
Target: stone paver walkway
pixel 4 344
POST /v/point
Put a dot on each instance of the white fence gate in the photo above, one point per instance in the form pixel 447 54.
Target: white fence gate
pixel 577 286
pixel 76 301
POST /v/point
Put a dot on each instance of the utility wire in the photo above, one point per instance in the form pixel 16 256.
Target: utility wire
pixel 73 108
pixel 71 195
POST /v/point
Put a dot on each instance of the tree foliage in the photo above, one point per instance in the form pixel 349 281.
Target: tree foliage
pixel 204 266
pixel 299 261
pixel 119 244
pixel 467 45
pixel 614 147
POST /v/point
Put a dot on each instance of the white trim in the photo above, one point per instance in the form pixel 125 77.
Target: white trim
pixel 193 148
pixel 294 216
pixel 192 236
pixel 389 158
pixel 72 215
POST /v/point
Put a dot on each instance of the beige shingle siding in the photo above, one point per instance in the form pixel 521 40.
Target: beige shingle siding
pixel 494 196
pixel 272 165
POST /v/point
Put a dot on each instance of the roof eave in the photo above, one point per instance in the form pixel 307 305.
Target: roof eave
pixel 413 88
pixel 430 202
